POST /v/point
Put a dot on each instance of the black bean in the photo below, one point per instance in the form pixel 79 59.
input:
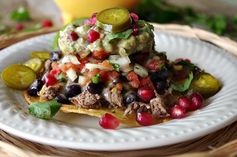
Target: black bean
pixel 62 99
pixel 130 97
pixel 95 88
pixel 161 85
pixel 163 73
pixel 72 90
pixel 55 55
pixel 35 87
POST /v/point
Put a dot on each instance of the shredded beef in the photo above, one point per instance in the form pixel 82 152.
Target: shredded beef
pixel 137 107
pixel 113 97
pixel 50 92
pixel 158 107
pixel 87 100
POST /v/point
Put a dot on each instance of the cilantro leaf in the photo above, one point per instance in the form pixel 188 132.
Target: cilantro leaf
pixel 20 14
pixel 187 63
pixel 96 79
pixel 185 85
pixel 115 66
pixel 121 35
pixel 145 26
pixel 61 77
pixel 44 110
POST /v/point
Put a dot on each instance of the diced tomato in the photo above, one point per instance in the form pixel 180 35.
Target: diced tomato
pixel 133 78
pixel 50 80
pixel 76 67
pixel 134 84
pixel 100 54
pixel 146 82
pixel 106 64
pixel 113 75
pixel 84 60
pixel 104 77
pixel 92 73
pixel 55 72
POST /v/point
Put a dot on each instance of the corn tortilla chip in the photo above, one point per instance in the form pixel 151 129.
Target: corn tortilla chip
pixel 129 120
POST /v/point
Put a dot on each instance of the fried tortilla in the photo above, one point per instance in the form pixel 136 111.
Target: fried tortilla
pixel 129 120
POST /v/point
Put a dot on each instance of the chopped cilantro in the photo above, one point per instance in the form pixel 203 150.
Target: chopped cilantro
pixel 121 35
pixel 96 79
pixel 115 66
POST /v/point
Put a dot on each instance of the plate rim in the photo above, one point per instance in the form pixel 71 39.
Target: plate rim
pixel 45 140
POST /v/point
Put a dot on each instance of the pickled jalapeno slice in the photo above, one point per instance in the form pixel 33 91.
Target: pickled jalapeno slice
pixel 114 20
pixel 18 76
pixel 35 64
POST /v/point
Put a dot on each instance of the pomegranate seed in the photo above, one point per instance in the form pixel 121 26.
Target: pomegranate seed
pixel 47 23
pixel 145 119
pixel 19 26
pixel 108 121
pixel 134 16
pixel 50 80
pixel 177 112
pixel 91 21
pixel 184 102
pixel 93 36
pixel 73 36
pixel 196 101
pixel 146 94
pixel 135 31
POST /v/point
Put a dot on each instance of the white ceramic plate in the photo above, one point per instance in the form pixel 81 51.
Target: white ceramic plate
pixel 83 132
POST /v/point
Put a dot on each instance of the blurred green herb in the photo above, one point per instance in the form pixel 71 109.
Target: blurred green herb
pixel 20 14
pixel 162 12
pixel 3 28
pixel 96 79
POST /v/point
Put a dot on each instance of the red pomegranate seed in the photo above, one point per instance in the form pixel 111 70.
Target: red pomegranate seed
pixel 93 36
pixel 93 19
pixel 145 94
pixel 184 102
pixel 196 101
pixel 108 121
pixel 145 119
pixel 135 31
pixel 177 112
pixel 19 26
pixel 47 23
pixel 73 36
pixel 134 16
pixel 50 80
pixel 153 65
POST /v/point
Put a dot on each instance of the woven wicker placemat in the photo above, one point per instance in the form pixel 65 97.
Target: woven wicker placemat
pixel 207 146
